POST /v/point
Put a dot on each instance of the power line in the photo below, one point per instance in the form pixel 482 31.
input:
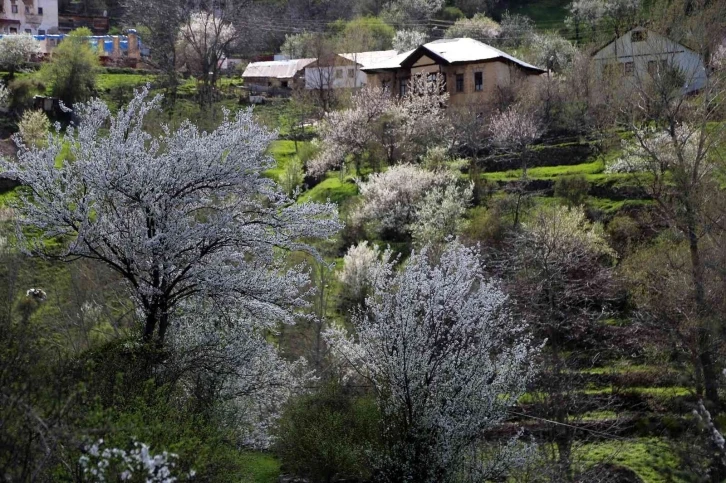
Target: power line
pixel 557 423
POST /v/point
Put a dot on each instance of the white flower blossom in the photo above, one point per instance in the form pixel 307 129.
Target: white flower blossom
pixel 112 463
pixel 180 215
pixel 406 40
pixel 389 199
pixel 444 357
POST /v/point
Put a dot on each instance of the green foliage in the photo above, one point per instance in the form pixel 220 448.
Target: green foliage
pixel 623 231
pixel 73 68
pixel 22 90
pixel 544 172
pixel 573 189
pixel 333 189
pixel 292 176
pixel 486 226
pixel 259 468
pixel 327 434
pixel 34 127
pixel 451 14
pixel 652 459
pixel 363 34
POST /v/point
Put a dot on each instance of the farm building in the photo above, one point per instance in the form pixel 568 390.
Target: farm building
pixel 473 71
pixel 275 74
pixel 641 54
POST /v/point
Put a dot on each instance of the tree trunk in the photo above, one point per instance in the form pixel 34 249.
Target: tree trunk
pixel 705 356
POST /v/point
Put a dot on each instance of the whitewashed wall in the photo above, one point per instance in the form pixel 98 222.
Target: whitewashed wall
pixel 654 48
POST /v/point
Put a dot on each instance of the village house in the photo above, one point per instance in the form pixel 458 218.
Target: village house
pixel 35 17
pixel 343 71
pixel 275 76
pixel 471 70
pixel 640 54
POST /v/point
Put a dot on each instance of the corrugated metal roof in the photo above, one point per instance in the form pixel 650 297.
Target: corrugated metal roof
pixel 367 59
pixel 453 51
pixel 278 69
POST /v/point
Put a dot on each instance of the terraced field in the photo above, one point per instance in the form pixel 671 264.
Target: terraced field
pixel 634 406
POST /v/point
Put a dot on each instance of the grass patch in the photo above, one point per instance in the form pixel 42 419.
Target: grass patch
pixel 8 197
pixel 612 207
pixel 662 393
pixel 283 151
pixel 650 458
pixel 111 81
pixel 547 14
pixel 621 367
pixel 547 172
pixel 259 468
pixel 331 188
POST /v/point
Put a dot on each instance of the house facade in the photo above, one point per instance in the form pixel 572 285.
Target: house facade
pixel 269 76
pixel 641 54
pixel 35 17
pixel 343 71
pixel 473 71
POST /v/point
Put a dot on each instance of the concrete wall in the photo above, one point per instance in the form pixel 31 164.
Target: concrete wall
pixel 640 54
pixel 339 73
pixel 495 75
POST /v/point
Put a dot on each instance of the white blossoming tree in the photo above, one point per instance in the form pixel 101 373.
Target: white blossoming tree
pixel 513 131
pixel 16 50
pixel 203 40
pixel 101 464
pixel 380 126
pixel 360 265
pixel 410 10
pixel 479 27
pixel 223 359
pixel 183 215
pixel 390 199
pixel 552 51
pixel 406 40
pixel 561 278
pixel 440 213
pixel 445 361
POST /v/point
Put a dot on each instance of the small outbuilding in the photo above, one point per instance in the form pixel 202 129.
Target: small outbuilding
pixel 642 54
pixel 275 75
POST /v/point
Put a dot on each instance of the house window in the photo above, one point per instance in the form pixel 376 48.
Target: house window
pixel 13 30
pixel 41 32
pixel 28 31
pixel 40 10
pixel 386 86
pixel 628 68
pixel 338 73
pixel 403 87
pixel 433 79
pixel 284 84
pixel 351 73
pixel 639 36
pixel 27 9
pixel 459 82
pixel 14 9
pixel 478 81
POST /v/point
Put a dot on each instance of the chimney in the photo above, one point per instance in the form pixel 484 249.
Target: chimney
pixel 133 44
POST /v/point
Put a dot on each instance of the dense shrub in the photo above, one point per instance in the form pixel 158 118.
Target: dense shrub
pixel 486 226
pixel 34 127
pixel 573 189
pixel 22 91
pixel 327 434
pixel 623 232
